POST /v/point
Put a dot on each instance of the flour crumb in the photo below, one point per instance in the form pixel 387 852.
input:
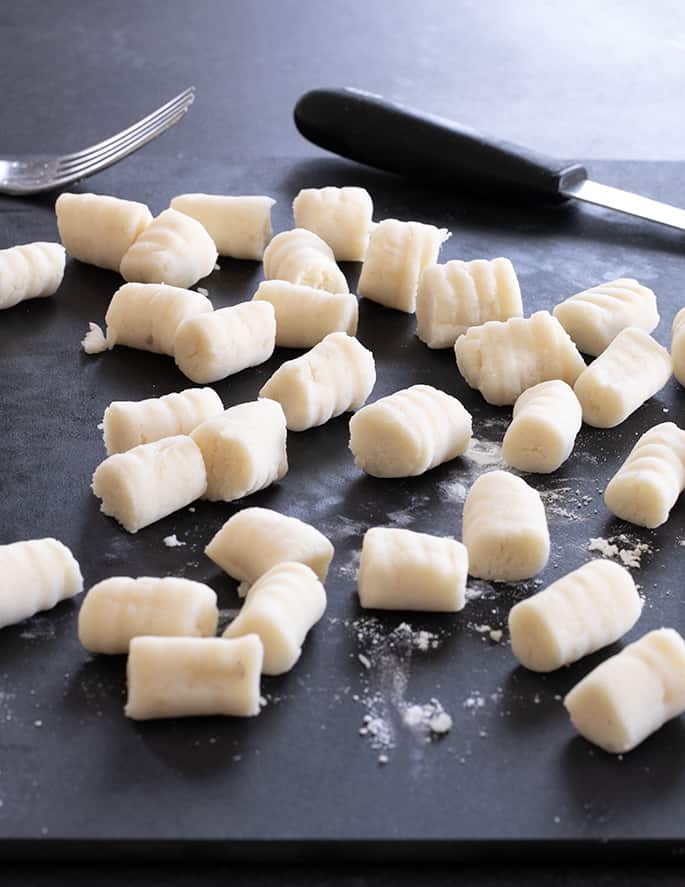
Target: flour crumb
pixel 217 267
pixel 38 723
pixel 364 660
pixel 495 635
pixel 382 759
pixel 628 551
pixel 202 291
pixel 100 426
pixel 172 541
pixel 440 723
pixel 94 341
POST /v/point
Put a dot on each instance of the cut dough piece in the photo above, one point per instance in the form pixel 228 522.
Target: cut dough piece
pixel 397 254
pixel 31 271
pixel 150 481
pixel 629 696
pixel 596 316
pixel 633 368
pixel 181 677
pixel 546 420
pixel 340 216
pixel 336 376
pixel 281 607
pixel 504 528
pixel 409 432
pixel 647 485
pixel 119 609
pixel 239 226
pixel 458 295
pixel 299 256
pixel 35 575
pixel 244 449
pixel 503 359
pixel 404 570
pixel 99 229
pixel 578 614
pixel 174 249
pixel 305 315
pixel 678 346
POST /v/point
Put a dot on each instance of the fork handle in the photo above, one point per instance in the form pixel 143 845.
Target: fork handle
pixel 371 130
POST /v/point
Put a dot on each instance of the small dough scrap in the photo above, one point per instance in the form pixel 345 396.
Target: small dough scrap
pixel 181 677
pixel 340 216
pixel 633 368
pixel 397 254
pixel 281 607
pixel 404 570
pixel 31 271
pixel 150 481
pixel 305 315
pixel 301 257
pixel 678 346
pixel 239 226
pixel 578 614
pixel 409 432
pixel 544 426
pixel 458 295
pixel 629 696
pixel 504 528
pixel 94 341
pixel 119 609
pixel 336 376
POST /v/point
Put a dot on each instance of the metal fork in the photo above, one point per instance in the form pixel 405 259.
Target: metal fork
pixel 35 173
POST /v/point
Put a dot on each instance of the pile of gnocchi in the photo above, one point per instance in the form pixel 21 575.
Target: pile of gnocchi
pixel 164 453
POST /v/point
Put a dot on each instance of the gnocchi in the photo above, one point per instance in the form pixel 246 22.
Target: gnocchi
pixel 305 315
pixel 678 346
pixel 300 256
pixel 31 271
pixel 340 216
pixel 239 226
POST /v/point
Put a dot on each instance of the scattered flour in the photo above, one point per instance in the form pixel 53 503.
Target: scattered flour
pixel 351 568
pixel 172 541
pixel 94 341
pixel 484 452
pixel 479 588
pixel 628 551
pixel 452 491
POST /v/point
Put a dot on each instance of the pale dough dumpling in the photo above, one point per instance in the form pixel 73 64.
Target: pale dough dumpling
pixel 174 249
pixel 633 368
pixel 629 696
pixel 239 226
pixel 305 315
pixel 281 607
pixel 35 575
pixel 504 528
pixel 119 609
pixel 147 315
pixel 648 484
pixel 99 229
pixel 596 316
pixel 502 359
pixel 244 449
pixel 458 295
pixel 300 256
pixel 578 614
pixel 337 375
pixel 340 216
pixel 404 570
pixel 546 420
pixel 409 432
pixel 678 346
pixel 31 271
pixel 182 677
pixel 397 254
pixel 150 481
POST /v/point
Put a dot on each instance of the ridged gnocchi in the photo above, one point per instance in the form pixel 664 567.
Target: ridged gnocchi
pixel 300 256
pixel 30 271
pixel 305 315
pixel 340 216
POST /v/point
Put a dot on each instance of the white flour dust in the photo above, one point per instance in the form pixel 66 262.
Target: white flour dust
pixel 624 548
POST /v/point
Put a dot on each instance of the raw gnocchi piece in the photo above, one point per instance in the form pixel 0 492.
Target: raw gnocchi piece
pixel 182 677
pixel 458 295
pixel 633 368
pixel 504 528
pixel 150 481
pixel 148 315
pixel 256 539
pixel 239 226
pixel 578 614
pixel 244 449
pixel 409 432
pixel 504 358
pixel 305 315
pixel 629 696
pixel 35 575
pixel 281 607
pixel 174 249
pixel 397 254
pixel 300 256
pixel 546 420
pixel 30 271
pixel 404 570
pixel 337 375
pixel 99 229
pixel 119 609
pixel 596 316
pixel 678 346
pixel 129 423
pixel 647 485
pixel 340 216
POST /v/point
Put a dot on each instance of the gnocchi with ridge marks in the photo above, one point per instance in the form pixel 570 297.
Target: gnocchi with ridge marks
pixel 305 315
pixel 30 271
pixel 239 226
pixel 340 216
pixel 300 256
pixel 678 346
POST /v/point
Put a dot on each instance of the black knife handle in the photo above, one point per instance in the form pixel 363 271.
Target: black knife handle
pixel 371 130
